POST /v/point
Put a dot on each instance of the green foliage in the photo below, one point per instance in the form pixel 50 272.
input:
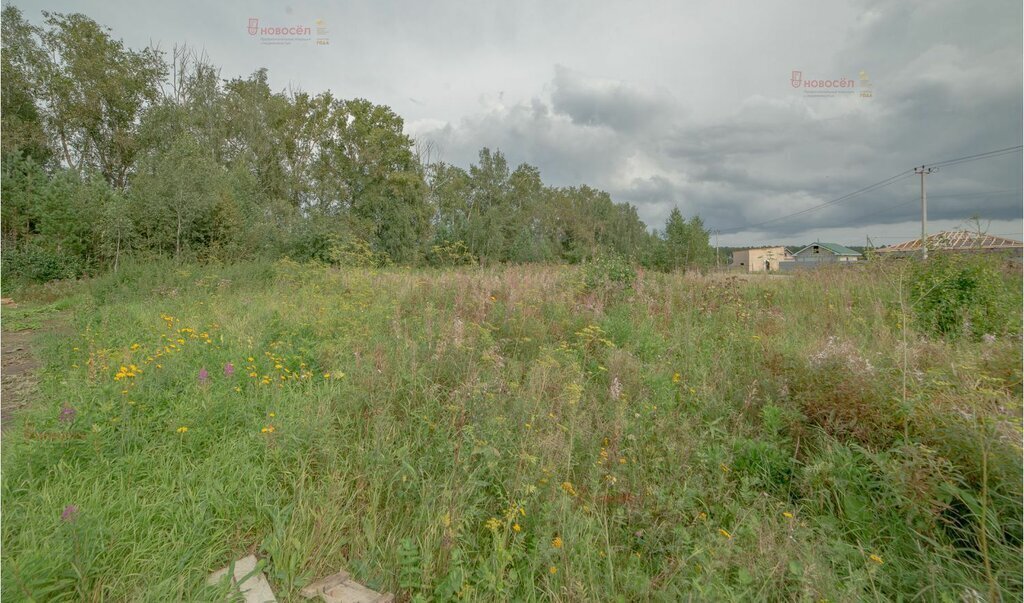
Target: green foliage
pixel 766 462
pixel 357 253
pixel 608 270
pixel 106 157
pixel 176 199
pixel 24 134
pixel 957 294
pixel 450 254
pixel 684 245
pixel 410 575
pixel 39 265
pixel 93 92
pixel 506 215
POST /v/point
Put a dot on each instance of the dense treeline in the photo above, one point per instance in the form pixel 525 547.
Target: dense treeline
pixel 110 152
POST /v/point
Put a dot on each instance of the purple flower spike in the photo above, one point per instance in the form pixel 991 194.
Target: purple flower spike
pixel 67 414
pixel 69 514
pixel 204 376
pixel 229 369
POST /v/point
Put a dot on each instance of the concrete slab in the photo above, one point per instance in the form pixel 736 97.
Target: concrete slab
pixel 252 584
pixel 340 588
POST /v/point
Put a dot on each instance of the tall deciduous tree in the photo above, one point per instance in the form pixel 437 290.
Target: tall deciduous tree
pixel 92 92
pixel 175 195
pixel 22 57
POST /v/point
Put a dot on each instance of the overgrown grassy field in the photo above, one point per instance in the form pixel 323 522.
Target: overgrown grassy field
pixel 513 433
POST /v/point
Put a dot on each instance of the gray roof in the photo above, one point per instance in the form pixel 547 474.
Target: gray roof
pixel 835 248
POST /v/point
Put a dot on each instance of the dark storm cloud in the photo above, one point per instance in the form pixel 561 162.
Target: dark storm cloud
pixel 593 102
pixel 939 93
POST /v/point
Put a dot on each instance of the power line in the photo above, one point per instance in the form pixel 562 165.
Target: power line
pixel 879 185
pixel 979 194
pixel 899 205
pixel 911 236
pixel 976 157
pixel 873 187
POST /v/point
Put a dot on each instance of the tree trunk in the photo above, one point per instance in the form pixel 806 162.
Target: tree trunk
pixel 117 250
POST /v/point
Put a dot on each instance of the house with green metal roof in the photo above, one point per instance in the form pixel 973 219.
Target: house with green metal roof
pixel 822 253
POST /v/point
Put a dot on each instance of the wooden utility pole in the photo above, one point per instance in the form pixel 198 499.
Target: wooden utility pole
pixel 923 171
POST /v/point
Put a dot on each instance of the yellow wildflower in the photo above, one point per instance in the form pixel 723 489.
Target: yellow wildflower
pixel 250 359
pixel 787 515
pixel 567 486
pixel 268 429
pixel 493 524
pixel 676 378
pixel 182 429
pixel 725 533
pixel 516 527
pixel 552 570
pixel 876 559
pixel 135 346
pixel 556 542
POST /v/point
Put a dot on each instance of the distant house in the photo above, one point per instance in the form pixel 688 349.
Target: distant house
pixel 958 241
pixel 759 259
pixel 825 253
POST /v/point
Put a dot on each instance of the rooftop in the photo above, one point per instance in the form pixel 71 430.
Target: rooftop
pixel 951 240
pixel 835 248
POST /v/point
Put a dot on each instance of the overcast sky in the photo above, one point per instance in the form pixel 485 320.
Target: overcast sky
pixel 686 104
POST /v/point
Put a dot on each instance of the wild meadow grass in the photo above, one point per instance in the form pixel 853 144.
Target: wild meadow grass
pixel 513 433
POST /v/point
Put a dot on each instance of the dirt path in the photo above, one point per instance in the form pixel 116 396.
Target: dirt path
pixel 19 368
pixel 17 374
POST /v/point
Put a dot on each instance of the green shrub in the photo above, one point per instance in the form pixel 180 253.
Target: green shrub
pixel 608 270
pixel 40 265
pixel 953 295
pixel 357 253
pixel 450 254
pixel 766 462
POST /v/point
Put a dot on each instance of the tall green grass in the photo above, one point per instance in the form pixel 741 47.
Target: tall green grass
pixel 515 433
